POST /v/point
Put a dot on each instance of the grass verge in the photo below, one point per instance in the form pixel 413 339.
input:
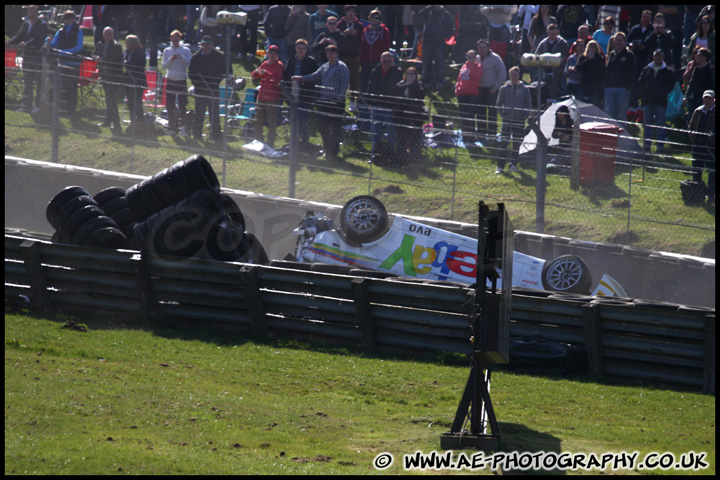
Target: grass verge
pixel 147 397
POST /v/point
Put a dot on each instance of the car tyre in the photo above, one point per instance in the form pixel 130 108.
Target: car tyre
pixel 364 219
pixel 108 194
pixel 567 273
pixel 60 199
pixel 69 209
pixel 90 226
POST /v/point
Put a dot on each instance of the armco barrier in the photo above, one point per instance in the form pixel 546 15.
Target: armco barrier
pixel 623 337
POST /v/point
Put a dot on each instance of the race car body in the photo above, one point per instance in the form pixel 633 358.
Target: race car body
pixel 412 249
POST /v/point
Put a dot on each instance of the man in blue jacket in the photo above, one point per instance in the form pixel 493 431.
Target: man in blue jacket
pixel 68 41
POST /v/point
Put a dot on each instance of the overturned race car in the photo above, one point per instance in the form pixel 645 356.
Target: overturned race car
pixel 368 240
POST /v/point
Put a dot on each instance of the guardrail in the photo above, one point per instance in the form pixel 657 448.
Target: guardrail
pixel 623 337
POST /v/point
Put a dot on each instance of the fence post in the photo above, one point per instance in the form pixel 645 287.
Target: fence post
pixel 143 282
pixel 55 155
pixel 256 307
pixel 593 337
pixel 575 154
pixel 31 257
pixel 366 322
pixel 293 96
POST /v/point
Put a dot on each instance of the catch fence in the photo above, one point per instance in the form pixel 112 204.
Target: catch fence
pixel 426 164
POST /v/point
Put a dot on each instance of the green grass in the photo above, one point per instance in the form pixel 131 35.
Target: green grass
pixel 148 397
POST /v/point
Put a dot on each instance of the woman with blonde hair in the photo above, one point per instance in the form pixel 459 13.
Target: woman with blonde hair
pixel 135 83
pixel 591 67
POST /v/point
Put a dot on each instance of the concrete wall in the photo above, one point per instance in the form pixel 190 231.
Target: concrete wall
pixel 30 184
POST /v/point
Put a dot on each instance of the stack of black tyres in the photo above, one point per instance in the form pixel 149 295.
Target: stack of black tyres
pixel 178 212
pixel 78 219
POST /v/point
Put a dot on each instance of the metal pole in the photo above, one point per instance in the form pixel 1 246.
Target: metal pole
pixel 294 97
pixel 228 93
pixel 55 155
pixel 540 165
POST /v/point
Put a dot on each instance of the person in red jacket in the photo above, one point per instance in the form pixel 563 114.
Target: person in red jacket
pixel 374 41
pixel 270 73
pixel 467 91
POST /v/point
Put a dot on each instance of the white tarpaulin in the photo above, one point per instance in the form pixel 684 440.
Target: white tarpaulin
pixel 627 145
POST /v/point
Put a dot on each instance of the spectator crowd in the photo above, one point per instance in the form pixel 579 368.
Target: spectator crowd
pixel 384 61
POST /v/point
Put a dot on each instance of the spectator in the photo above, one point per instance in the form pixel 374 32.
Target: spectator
pixel 409 116
pixel 269 97
pixel 689 68
pixel 570 17
pixel 68 40
pixel 148 27
pixel 591 66
pixel 374 41
pixel 656 82
pixel 602 37
pixel 175 61
pixel 302 64
pixel 331 36
pixel 274 24
pixel 318 21
pixel 206 71
pixel 30 38
pixel 638 36
pixel 704 37
pixel 437 25
pixel 661 38
pixel 467 91
pixel 334 79
pixel 554 43
pixel 498 18
pixel 103 16
pixel 514 103
pixel 209 25
pixel 135 82
pixel 637 43
pixel 352 28
pixel 297 26
pixel 703 78
pixel 248 32
pixel 525 15
pixel 383 80
pixel 538 26
pixel 563 131
pixel 494 75
pixel 619 78
pixel 583 32
pixel 109 55
pixel 192 12
pixel 673 16
pixel 571 76
pixel 702 137
pixel 605 11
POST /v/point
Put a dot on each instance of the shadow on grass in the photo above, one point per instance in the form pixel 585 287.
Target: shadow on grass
pixel 518 438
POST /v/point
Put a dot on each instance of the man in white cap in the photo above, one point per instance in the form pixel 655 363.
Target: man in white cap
pixel 702 136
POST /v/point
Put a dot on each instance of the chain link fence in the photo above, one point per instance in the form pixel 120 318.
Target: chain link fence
pixel 600 185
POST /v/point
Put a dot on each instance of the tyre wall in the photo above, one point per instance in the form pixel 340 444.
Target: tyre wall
pixel 30 184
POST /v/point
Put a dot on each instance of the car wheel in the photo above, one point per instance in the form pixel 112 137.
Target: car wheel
pixel 149 196
pixel 567 273
pixel 135 203
pixel 69 209
pixel 108 194
pixel 233 212
pixel 200 173
pixel 178 181
pixel 107 237
pixel 90 226
pixel 115 205
pixel 364 219
pixel 166 194
pixel 60 199
pixel 78 218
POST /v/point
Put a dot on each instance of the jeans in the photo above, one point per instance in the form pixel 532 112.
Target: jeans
pixel 282 47
pixel 433 53
pixel 617 101
pixel 207 102
pixel 487 120
pixel 512 136
pixel 176 90
pixel 382 120
pixel 654 116
pixel 266 111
